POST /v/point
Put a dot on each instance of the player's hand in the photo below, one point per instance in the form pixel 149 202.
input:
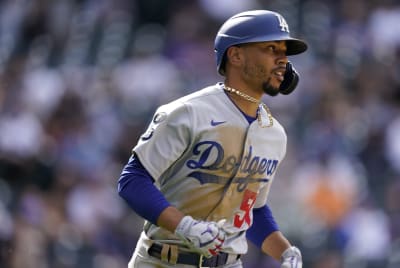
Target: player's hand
pixel 291 258
pixel 204 237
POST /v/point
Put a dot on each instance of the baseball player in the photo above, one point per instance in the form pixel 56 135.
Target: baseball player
pixel 201 173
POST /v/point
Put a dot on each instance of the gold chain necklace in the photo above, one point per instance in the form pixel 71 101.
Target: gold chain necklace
pixel 262 106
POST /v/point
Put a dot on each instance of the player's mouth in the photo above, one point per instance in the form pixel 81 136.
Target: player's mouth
pixel 279 74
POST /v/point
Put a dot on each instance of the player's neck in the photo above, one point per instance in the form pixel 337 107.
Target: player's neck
pixel 240 85
pixel 243 98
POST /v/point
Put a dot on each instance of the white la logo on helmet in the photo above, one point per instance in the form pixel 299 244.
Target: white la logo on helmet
pixel 282 23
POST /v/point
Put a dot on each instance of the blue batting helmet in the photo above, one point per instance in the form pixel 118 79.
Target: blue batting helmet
pixel 254 26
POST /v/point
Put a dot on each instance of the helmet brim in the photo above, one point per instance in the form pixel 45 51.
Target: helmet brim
pixel 295 46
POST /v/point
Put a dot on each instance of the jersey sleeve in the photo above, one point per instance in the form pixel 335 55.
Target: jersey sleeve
pixel 165 139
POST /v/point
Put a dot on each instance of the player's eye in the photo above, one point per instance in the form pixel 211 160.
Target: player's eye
pixel 271 48
pixel 274 49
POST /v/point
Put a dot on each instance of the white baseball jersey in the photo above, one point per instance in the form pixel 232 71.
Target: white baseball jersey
pixel 210 163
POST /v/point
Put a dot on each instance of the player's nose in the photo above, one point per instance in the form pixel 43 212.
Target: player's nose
pixel 282 60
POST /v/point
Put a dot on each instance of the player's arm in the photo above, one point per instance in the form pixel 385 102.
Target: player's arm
pixel 275 244
pixel 170 218
pixel 264 233
pixel 136 186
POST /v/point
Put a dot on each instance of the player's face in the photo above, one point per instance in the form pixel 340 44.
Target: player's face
pixel 264 65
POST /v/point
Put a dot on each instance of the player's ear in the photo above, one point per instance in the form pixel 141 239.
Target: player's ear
pixel 234 55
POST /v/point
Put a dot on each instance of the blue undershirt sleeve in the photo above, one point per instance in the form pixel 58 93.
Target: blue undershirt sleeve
pixel 136 187
pixel 263 225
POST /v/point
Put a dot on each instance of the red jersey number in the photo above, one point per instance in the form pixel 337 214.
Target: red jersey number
pixel 243 215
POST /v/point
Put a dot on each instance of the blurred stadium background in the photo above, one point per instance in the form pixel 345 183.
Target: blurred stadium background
pixel 79 81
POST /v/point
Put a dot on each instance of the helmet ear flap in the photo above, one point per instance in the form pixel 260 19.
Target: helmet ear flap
pixel 221 67
pixel 290 80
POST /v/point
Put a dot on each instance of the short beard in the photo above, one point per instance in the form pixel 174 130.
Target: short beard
pixel 259 72
pixel 270 90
